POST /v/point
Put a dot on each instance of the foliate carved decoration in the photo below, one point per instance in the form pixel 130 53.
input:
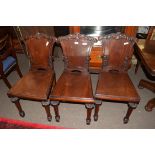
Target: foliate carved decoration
pixel 89 105
pixel 132 105
pixel 14 99
pixel 77 37
pixel 117 36
pixel 45 103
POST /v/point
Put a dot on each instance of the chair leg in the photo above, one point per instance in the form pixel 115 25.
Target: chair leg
pixel 131 106
pixel 6 82
pixel 97 106
pixel 18 71
pixel 89 108
pixel 15 100
pixel 46 105
pixel 55 105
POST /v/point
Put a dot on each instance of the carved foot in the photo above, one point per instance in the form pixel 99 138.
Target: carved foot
pixel 22 114
pixel 131 106
pixel 95 117
pixel 57 118
pixel 49 118
pixel 140 87
pixel 89 108
pixel 15 100
pixel 150 105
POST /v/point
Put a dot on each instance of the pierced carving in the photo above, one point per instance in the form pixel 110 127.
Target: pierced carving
pixel 117 36
pixel 78 37
pixel 44 103
pixel 14 99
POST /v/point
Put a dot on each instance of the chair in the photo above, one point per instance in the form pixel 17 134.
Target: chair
pixel 37 83
pixel 74 85
pixel 114 83
pixel 8 59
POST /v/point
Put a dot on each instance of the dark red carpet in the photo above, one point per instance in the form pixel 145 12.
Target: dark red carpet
pixel 6 123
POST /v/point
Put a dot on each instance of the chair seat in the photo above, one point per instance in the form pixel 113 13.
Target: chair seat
pixel 73 87
pixel 35 85
pixel 116 86
pixel 8 62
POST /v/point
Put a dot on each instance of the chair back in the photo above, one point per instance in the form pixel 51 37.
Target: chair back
pixel 40 51
pixel 76 50
pixel 117 52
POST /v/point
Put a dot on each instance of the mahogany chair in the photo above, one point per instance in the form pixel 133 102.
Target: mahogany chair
pixel 8 59
pixel 74 85
pixel 114 83
pixel 37 83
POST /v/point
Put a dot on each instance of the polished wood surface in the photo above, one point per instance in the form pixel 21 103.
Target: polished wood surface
pixel 37 83
pixel 146 54
pixel 114 83
pixel 95 64
pixel 74 85
pixel 116 86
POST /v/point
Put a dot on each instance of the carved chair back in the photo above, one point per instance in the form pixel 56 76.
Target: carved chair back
pixel 76 50
pixel 117 52
pixel 40 51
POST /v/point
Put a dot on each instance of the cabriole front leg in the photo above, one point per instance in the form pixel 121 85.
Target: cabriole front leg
pixel 97 106
pixel 89 107
pixel 46 105
pixel 15 100
pixel 131 106
pixel 55 105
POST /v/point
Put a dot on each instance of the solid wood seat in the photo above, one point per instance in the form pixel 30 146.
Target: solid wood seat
pixel 73 87
pixel 116 86
pixel 35 85
pixel 114 83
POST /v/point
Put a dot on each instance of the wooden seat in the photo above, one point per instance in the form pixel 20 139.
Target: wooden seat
pixel 33 85
pixel 37 83
pixel 69 84
pixel 74 85
pixel 114 83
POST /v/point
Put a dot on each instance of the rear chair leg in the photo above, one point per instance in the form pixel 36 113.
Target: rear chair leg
pixel 6 81
pixel 18 71
pixel 55 105
pixel 18 106
pixel 46 105
pixel 89 107
pixel 131 106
